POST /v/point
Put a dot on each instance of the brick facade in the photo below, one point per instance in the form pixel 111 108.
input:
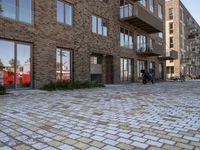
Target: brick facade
pixel 46 34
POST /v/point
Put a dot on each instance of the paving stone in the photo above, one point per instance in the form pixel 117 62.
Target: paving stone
pixel 139 139
pixel 81 145
pixel 69 141
pixel 123 135
pixel 154 143
pixel 65 147
pixel 123 146
pixel 98 138
pixel 151 137
pixel 55 143
pixel 110 148
pixel 39 145
pixel 97 144
pixel 165 141
pixel 5 148
pixel 123 140
pixel 93 148
pixel 191 138
pixel 110 142
pixel 185 146
pixel 140 145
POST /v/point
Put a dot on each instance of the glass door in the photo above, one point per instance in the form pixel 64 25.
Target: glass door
pixel 15 64
pixel 23 66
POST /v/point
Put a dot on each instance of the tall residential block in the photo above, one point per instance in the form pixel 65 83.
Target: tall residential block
pixel 110 41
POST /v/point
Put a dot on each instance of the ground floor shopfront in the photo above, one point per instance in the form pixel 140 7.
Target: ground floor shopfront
pixel 21 66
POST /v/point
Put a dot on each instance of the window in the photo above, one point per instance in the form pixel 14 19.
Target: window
pixel 141 65
pixel 141 43
pixel 93 60
pixel 143 2
pixel 126 69
pixel 99 26
pixel 64 13
pixel 171 13
pixel 126 39
pixel 160 34
pixel 63 64
pixel 160 11
pixel 171 42
pixel 171 28
pixel 20 10
pixel 15 64
pixel 151 5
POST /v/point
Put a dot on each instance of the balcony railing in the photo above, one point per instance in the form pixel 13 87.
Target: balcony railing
pixel 171 55
pixel 186 60
pixel 139 17
pixel 155 50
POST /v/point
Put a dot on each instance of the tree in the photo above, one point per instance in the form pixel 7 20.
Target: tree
pixel 1 63
pixel 12 62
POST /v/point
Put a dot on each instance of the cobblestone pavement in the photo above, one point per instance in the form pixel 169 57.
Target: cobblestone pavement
pixel 135 116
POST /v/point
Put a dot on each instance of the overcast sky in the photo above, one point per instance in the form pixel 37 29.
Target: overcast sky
pixel 194 8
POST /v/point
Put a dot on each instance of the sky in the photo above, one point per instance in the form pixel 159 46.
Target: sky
pixel 194 8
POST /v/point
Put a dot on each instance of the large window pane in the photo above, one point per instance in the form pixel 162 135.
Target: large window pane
pixel 7 63
pixel 125 68
pixel 94 24
pixel 23 66
pixel 100 26
pixel 58 64
pixel 8 8
pixel 68 14
pixel 66 65
pixel 60 12
pixel 25 11
pixel 63 64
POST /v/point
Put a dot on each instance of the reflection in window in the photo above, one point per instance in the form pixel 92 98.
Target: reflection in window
pixel 126 39
pixel 64 13
pixel 143 2
pixel 141 65
pixel 63 64
pixel 20 10
pixel 151 5
pixel 99 25
pixel 126 69
pixel 160 11
pixel 141 43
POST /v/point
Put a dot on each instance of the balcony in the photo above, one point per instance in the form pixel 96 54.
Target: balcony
pixel 156 50
pixel 139 17
pixel 186 61
pixel 171 55
pixel 193 35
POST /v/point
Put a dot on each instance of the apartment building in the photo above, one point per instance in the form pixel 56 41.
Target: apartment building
pixel 99 40
pixel 182 35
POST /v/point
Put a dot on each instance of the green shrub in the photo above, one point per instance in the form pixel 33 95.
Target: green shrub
pixel 2 90
pixel 62 85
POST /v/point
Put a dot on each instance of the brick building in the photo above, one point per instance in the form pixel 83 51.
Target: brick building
pixel 78 40
pixel 182 35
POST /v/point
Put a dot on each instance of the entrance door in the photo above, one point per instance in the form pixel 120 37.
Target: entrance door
pixel 23 67
pixel 15 64
pixel 109 69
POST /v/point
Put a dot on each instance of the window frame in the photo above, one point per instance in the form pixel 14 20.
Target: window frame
pixel 72 12
pixel 103 20
pixel 61 63
pixel 17 14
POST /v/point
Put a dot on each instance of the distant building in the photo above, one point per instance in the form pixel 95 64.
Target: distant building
pixel 182 35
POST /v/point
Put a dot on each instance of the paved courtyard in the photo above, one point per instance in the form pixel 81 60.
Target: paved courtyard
pixel 127 117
